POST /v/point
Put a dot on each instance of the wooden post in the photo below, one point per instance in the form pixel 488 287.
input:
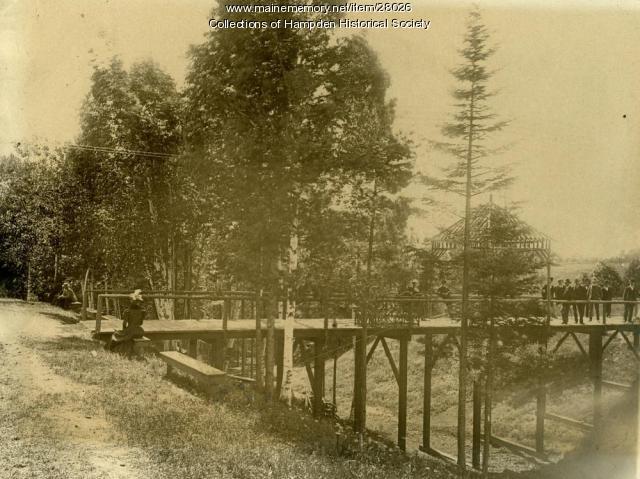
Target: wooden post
pixel 318 376
pixel 188 283
pixel 279 365
pixel 252 355
pixel 221 345
pixel 477 424
pixel 226 309
pixel 99 313
pixel 402 394
pixel 426 398
pixel 106 300
pixel 541 410
pixel 193 348
pixel 243 356
pixel 268 377
pixel 258 343
pixel 360 351
pixel 595 356
pixel 83 312
pixel 334 379
pixel 636 339
pixel 219 353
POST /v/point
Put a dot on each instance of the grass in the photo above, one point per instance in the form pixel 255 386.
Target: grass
pixel 189 435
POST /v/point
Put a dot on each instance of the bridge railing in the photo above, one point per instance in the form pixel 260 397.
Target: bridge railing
pixel 384 310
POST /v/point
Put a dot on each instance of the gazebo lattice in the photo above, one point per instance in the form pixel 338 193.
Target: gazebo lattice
pixel 523 237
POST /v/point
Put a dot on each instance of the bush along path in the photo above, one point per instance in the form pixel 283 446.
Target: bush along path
pixel 79 411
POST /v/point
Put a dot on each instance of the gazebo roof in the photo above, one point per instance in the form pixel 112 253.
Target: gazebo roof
pixel 492 227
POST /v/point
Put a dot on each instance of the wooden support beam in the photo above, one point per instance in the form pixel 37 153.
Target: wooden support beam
pixel 387 351
pixel 193 348
pixel 611 338
pixel 439 454
pixel 477 424
pixel 99 314
pixel 279 363
pixel 257 349
pixel 562 340
pixel 243 354
pixel 219 353
pixel 270 349
pixel 359 398
pixel 426 394
pixel 402 392
pixel 569 421
pixel 631 348
pixel 334 380
pixel 618 386
pixel 541 410
pixel 595 356
pixel 373 349
pixel 318 372
pixel 582 350
pixel 516 446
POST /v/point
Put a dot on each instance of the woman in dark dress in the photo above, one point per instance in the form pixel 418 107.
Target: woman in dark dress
pixel 132 319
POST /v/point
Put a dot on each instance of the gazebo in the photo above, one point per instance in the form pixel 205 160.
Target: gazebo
pixel 488 222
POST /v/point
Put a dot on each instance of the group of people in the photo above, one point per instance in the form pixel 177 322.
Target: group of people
pixel 584 296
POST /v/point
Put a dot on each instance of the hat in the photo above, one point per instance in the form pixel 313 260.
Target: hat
pixel 136 295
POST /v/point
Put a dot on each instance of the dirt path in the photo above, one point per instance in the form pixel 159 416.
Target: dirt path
pixel 47 428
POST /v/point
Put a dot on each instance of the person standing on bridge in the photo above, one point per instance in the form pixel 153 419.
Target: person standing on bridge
pixel 132 319
pixel 594 293
pixel 630 294
pixel 579 295
pixel 564 293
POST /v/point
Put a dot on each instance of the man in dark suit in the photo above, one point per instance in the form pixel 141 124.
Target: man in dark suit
pixel 630 294
pixel 567 295
pixel 606 296
pixel 594 293
pixel 579 294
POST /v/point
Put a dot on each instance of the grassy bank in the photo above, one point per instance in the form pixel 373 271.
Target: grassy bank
pixel 570 394
pixel 188 435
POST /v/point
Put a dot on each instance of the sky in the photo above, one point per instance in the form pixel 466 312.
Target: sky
pixel 566 76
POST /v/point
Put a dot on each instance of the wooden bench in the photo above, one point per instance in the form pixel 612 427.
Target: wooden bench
pixel 206 375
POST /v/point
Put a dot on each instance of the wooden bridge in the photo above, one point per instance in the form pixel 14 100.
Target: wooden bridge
pixel 267 337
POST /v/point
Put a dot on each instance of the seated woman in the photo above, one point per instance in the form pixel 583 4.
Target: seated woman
pixel 132 318
pixel 67 296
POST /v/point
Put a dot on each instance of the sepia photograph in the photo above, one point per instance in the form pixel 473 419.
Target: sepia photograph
pixel 278 239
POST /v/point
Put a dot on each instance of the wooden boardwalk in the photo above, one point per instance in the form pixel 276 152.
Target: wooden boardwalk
pixel 314 327
pixel 312 336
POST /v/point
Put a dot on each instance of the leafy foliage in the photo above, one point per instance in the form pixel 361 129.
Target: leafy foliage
pixel 293 125
pixel 633 271
pixel 605 274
